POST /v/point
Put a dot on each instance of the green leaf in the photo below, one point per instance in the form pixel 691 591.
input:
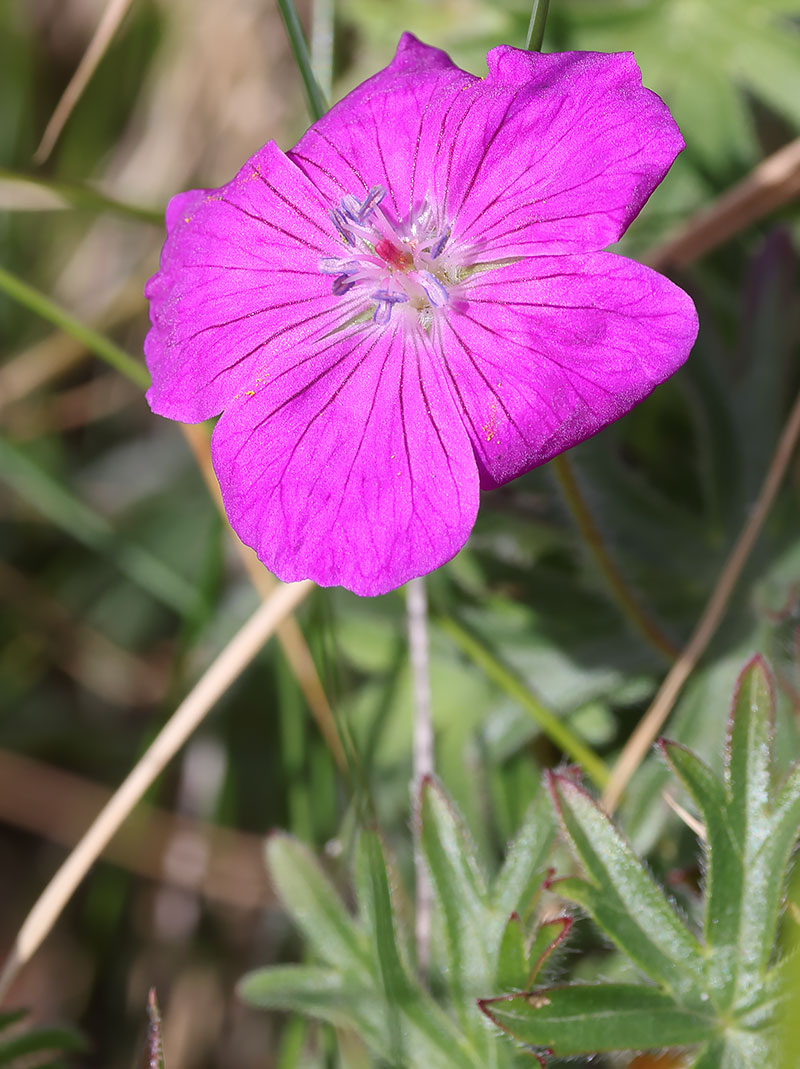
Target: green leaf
pixel 553 726
pixel 589 1018
pixel 460 891
pixel 312 901
pixel 512 960
pixel 702 62
pixel 548 936
pixel 42 1039
pixel 623 898
pixel 376 905
pixel 95 342
pixel 330 995
pixel 748 756
pixel 748 768
pixel 736 1050
pixel 725 875
pixel 520 878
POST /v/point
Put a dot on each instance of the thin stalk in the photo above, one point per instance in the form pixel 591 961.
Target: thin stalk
pixel 535 37
pixel 553 727
pixel 224 671
pixel 423 756
pixel 623 595
pixel 322 44
pixel 653 720
pixel 109 23
pixel 96 343
pixel 315 98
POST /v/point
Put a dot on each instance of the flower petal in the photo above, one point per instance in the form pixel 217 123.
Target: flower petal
pixel 352 467
pixel 239 283
pixel 372 136
pixel 544 353
pixel 552 153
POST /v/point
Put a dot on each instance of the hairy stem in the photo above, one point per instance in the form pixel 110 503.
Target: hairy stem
pixel 423 755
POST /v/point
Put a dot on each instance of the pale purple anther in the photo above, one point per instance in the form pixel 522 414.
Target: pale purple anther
pixel 414 303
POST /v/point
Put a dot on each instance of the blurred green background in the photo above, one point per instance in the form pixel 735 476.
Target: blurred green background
pixel 95 650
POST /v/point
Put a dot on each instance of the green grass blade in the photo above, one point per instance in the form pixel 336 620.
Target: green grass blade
pixel 60 195
pixel 41 1039
pixel 95 342
pixel 65 511
pixel 317 104
pixel 376 906
pixel 553 727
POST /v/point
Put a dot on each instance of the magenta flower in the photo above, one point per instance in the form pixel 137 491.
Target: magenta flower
pixel 413 304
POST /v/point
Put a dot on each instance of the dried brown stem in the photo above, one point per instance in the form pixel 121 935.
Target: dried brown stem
pixel 651 723
pixel 773 183
pixel 158 845
pixel 291 638
pixel 228 666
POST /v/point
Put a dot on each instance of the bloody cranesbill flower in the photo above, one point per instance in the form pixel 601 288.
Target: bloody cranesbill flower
pixel 412 304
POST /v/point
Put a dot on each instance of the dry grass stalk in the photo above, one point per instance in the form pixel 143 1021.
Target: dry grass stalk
pixel 228 666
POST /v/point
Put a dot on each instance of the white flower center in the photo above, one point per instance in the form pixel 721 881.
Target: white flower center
pixel 408 264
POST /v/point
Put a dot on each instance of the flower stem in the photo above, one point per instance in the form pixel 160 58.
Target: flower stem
pixel 533 42
pixel 315 98
pixel 553 727
pixel 423 755
pixel 95 342
pixel 624 596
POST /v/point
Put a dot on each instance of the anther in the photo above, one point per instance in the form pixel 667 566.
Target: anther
pixel 437 294
pixel 351 208
pixel 371 201
pixel 437 249
pixel 331 265
pixel 339 221
pixel 342 284
pixel 384 303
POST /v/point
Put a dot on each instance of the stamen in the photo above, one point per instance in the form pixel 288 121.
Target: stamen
pixel 437 294
pixel 339 221
pixel 330 265
pixel 392 261
pixel 342 284
pixel 371 201
pixel 384 304
pixel 437 249
pixel 351 208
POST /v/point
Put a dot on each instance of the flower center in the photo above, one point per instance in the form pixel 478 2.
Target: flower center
pixel 406 265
